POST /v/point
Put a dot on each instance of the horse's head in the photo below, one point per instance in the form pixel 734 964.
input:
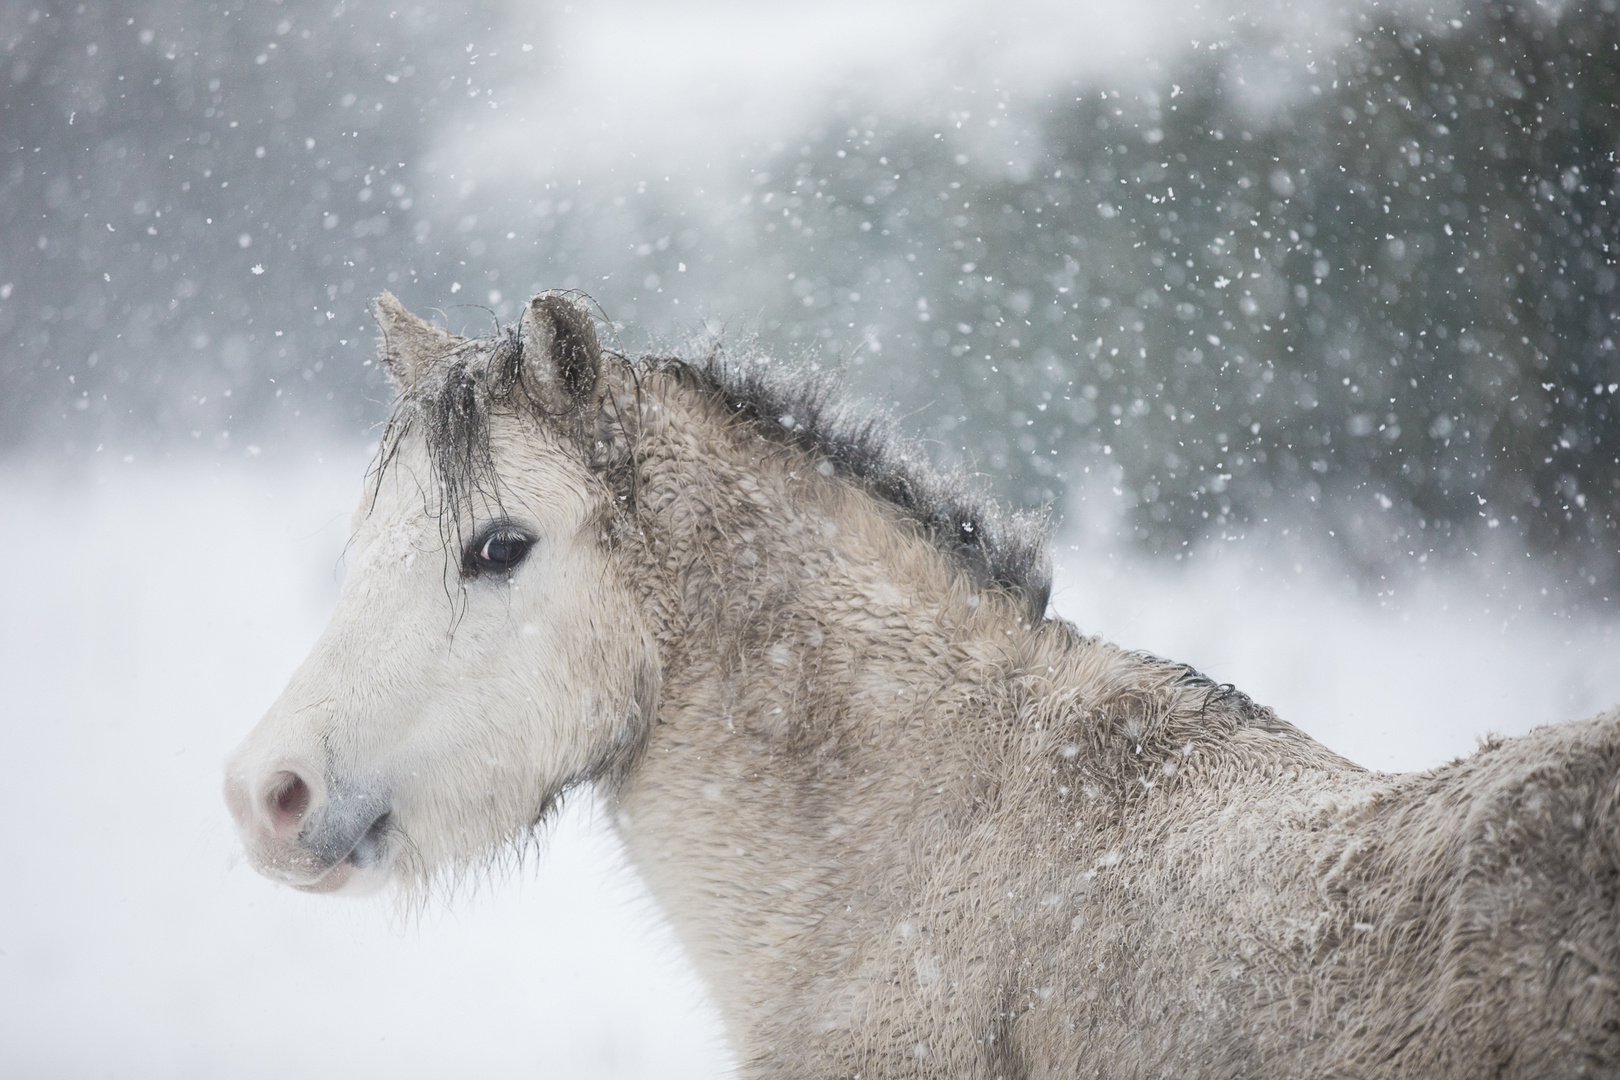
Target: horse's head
pixel 483 657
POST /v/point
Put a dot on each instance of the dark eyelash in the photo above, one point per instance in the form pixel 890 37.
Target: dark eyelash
pixel 497 549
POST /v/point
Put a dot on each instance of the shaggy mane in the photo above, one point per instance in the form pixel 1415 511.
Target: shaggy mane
pixel 789 404
pixel 805 408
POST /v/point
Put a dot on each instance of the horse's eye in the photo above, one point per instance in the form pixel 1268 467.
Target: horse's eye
pixel 500 550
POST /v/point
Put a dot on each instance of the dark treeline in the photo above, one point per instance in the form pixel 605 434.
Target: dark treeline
pixel 1388 298
pixel 152 155
pixel 1368 278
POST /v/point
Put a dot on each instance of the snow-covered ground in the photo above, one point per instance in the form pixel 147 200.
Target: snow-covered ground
pixel 151 612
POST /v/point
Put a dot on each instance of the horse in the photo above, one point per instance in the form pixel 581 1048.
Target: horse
pixel 904 822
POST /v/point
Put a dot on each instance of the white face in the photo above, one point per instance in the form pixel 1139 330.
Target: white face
pixel 457 689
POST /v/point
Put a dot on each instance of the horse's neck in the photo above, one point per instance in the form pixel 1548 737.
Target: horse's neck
pixel 811 647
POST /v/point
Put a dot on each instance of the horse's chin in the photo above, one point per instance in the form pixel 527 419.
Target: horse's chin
pixel 347 879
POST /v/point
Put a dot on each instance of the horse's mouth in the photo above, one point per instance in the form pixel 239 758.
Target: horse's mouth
pixel 369 850
pixel 331 881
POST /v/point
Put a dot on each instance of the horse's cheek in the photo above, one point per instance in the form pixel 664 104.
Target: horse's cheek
pixel 591 671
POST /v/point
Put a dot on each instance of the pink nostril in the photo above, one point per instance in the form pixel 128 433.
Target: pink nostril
pixel 286 797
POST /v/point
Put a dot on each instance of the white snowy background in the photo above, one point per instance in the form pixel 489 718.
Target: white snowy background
pixel 153 610
pixel 152 607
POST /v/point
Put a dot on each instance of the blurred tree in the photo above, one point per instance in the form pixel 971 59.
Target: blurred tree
pixel 1364 276
pixel 189 193
pixel 1380 289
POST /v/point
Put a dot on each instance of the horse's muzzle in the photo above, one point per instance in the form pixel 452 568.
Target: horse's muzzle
pixel 311 833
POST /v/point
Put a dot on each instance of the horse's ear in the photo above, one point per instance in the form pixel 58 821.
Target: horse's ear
pixel 561 352
pixel 406 343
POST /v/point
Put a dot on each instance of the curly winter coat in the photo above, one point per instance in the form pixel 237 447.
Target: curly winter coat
pixel 905 825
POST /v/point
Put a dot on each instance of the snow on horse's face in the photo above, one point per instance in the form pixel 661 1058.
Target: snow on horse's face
pixel 482 657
